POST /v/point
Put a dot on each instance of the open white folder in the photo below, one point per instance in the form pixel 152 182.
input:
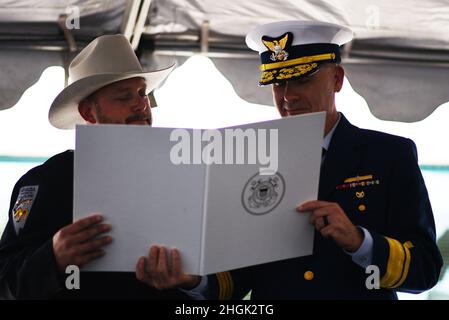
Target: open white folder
pixel 220 216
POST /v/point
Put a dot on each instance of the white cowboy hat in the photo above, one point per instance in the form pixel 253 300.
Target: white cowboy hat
pixel 105 60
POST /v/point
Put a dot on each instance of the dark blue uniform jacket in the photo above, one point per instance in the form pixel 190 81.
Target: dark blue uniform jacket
pixel 376 180
pixel 27 263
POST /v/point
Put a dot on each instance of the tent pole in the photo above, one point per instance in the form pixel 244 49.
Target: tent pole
pixel 129 18
pixel 140 25
pixel 71 45
pixel 204 38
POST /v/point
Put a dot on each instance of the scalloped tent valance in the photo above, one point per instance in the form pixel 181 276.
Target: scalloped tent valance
pixel 398 61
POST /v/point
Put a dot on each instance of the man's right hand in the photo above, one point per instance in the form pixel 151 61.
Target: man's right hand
pixel 156 271
pixel 78 243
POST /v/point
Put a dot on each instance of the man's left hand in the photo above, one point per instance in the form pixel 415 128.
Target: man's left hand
pixel 331 221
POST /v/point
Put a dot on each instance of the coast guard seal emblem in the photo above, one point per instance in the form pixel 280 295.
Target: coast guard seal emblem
pixel 262 193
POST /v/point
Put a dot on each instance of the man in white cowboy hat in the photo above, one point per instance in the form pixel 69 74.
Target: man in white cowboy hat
pixel 373 207
pixel 108 85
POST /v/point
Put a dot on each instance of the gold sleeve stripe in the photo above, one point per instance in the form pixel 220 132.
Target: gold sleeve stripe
pixel 231 286
pixel 408 245
pixel 302 60
pixel 395 264
pixel 408 257
pixel 225 285
pixel 221 286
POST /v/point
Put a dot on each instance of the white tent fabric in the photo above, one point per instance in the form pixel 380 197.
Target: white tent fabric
pixel 17 77
pixel 49 10
pixel 400 92
pixel 30 37
pixel 398 61
pixel 419 22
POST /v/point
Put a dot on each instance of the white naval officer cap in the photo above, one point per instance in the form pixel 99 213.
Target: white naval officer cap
pixel 294 49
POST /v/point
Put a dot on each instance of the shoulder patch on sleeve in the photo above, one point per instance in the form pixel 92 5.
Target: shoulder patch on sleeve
pixel 22 207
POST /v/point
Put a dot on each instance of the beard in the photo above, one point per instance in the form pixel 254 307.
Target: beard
pixel 140 116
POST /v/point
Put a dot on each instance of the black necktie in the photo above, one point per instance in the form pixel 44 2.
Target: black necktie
pixel 323 154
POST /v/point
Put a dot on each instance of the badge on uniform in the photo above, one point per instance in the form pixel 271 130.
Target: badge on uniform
pixel 22 207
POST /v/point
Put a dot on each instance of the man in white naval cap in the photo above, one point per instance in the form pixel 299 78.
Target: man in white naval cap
pixel 108 85
pixel 372 209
